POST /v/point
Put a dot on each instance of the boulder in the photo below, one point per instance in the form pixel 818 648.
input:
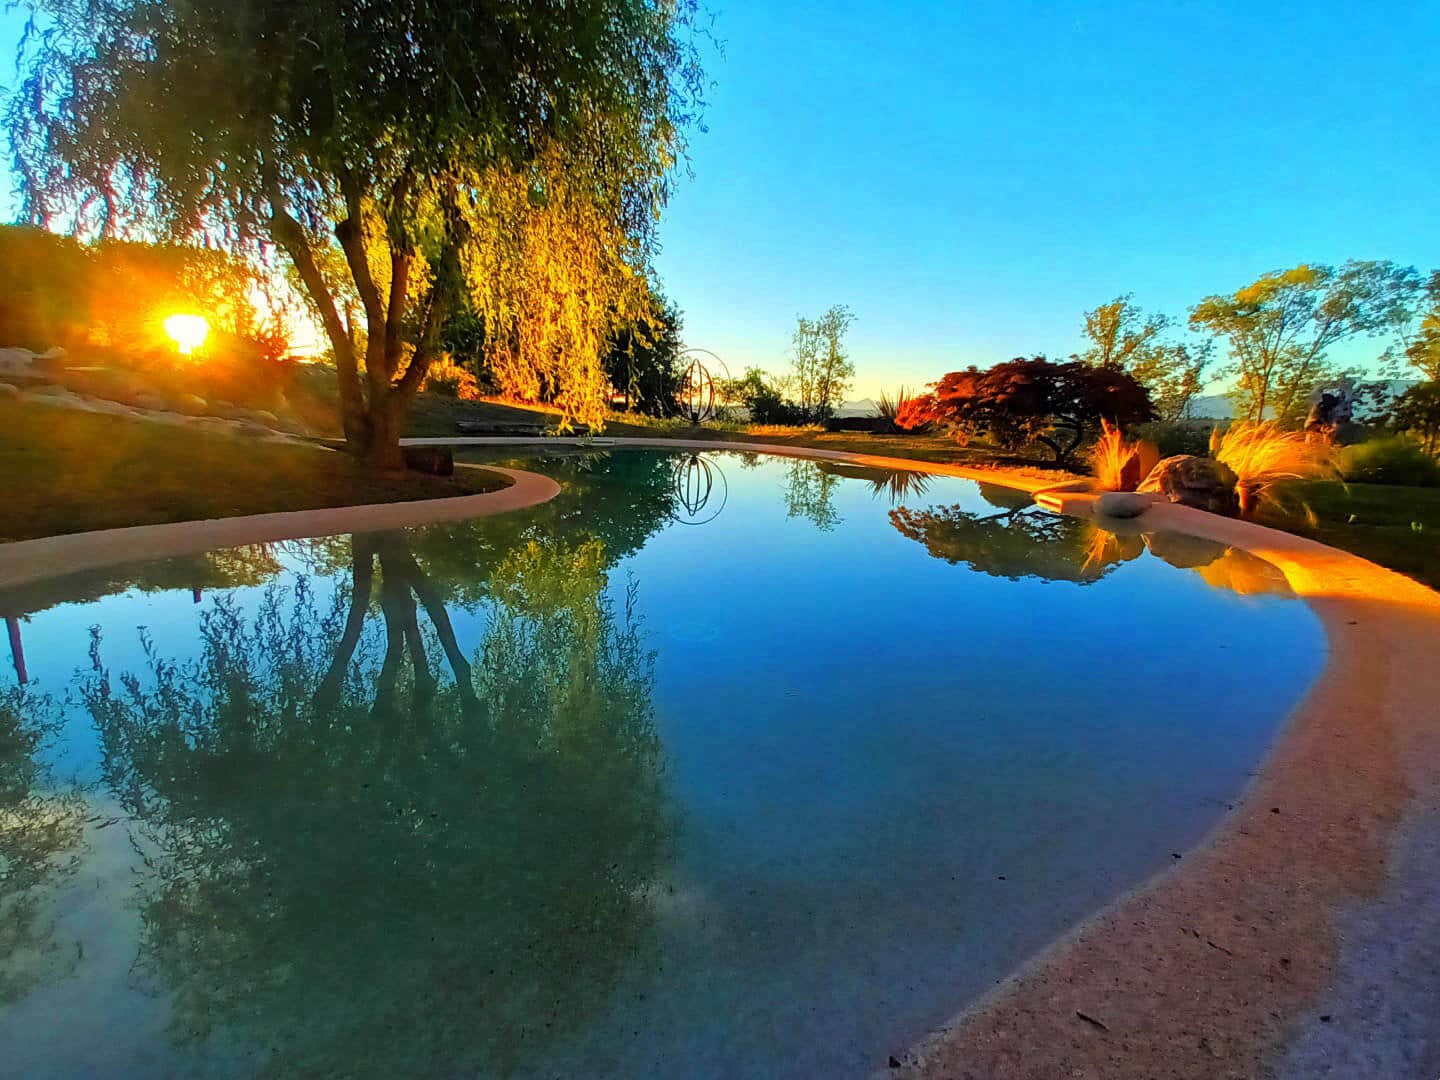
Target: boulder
pixel 150 402
pixel 1203 483
pixel 191 404
pixel 17 362
pixel 9 390
pixel 1123 504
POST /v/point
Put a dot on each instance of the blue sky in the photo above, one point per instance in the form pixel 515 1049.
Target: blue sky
pixel 970 177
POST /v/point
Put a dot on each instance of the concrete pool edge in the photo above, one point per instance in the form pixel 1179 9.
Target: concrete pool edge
pixel 23 562
pixel 1216 965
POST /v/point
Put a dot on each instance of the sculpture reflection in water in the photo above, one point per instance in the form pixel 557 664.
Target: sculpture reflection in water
pixel 357 862
pixel 1021 540
pixel 700 490
pixel 41 829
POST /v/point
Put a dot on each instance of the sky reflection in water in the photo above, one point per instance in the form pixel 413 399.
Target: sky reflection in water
pixel 734 766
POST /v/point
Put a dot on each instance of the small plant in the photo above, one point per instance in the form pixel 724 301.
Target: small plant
pixel 1262 454
pixel 449 379
pixel 890 406
pixel 1396 460
pixel 1119 465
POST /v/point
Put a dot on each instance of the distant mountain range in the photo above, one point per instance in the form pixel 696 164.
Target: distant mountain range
pixel 1220 407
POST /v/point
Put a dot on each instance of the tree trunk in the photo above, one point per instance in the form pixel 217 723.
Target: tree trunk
pixel 383 452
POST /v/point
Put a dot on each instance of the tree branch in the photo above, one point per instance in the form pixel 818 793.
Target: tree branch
pixel 351 234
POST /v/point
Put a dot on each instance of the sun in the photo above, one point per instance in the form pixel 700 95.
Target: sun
pixel 187 331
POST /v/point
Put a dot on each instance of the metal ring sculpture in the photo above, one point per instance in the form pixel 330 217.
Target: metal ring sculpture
pixel 694 484
pixel 697 387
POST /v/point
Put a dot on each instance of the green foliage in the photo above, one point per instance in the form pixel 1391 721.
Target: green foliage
pixel 410 159
pixel 1417 331
pixel 1279 328
pixel 1179 437
pixel 1393 460
pixel 1418 412
pixel 810 494
pixel 353 829
pixel 765 397
pixel 822 368
pixel 642 359
pixel 1123 337
pixel 41 827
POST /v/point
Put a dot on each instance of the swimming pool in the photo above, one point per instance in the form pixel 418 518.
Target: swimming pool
pixel 715 764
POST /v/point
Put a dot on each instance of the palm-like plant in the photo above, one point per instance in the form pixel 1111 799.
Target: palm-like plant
pixel 890 406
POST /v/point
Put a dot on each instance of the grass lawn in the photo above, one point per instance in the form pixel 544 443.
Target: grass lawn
pixel 66 471
pixel 1397 527
pixel 437 416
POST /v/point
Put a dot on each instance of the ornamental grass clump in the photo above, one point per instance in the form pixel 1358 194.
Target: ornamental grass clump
pixel 1119 465
pixel 1262 455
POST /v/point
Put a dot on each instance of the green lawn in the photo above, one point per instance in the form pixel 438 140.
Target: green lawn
pixel 1398 527
pixel 67 471
pixel 437 416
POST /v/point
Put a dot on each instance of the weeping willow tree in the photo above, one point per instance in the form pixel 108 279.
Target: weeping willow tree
pixel 406 157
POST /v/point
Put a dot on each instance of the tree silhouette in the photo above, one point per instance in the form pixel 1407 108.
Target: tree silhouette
pixel 361 865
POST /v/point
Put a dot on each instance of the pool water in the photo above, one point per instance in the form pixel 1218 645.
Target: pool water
pixel 714 765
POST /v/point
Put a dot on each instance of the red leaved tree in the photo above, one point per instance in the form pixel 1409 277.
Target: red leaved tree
pixel 1023 401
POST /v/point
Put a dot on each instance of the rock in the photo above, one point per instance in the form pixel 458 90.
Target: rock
pixel 50 390
pixel 191 404
pixel 1203 483
pixel 265 416
pixel 9 390
pixel 16 362
pixel 435 460
pixel 150 402
pixel 1123 504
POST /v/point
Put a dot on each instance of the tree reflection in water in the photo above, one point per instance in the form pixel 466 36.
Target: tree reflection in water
pixel 41 827
pixel 362 864
pixel 810 494
pixel 1021 540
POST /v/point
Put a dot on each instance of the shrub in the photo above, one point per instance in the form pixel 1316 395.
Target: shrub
pixel 1417 411
pixel 1394 460
pixel 1263 454
pixel 1119 465
pixel 1031 401
pixel 1180 437
pixel 449 379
